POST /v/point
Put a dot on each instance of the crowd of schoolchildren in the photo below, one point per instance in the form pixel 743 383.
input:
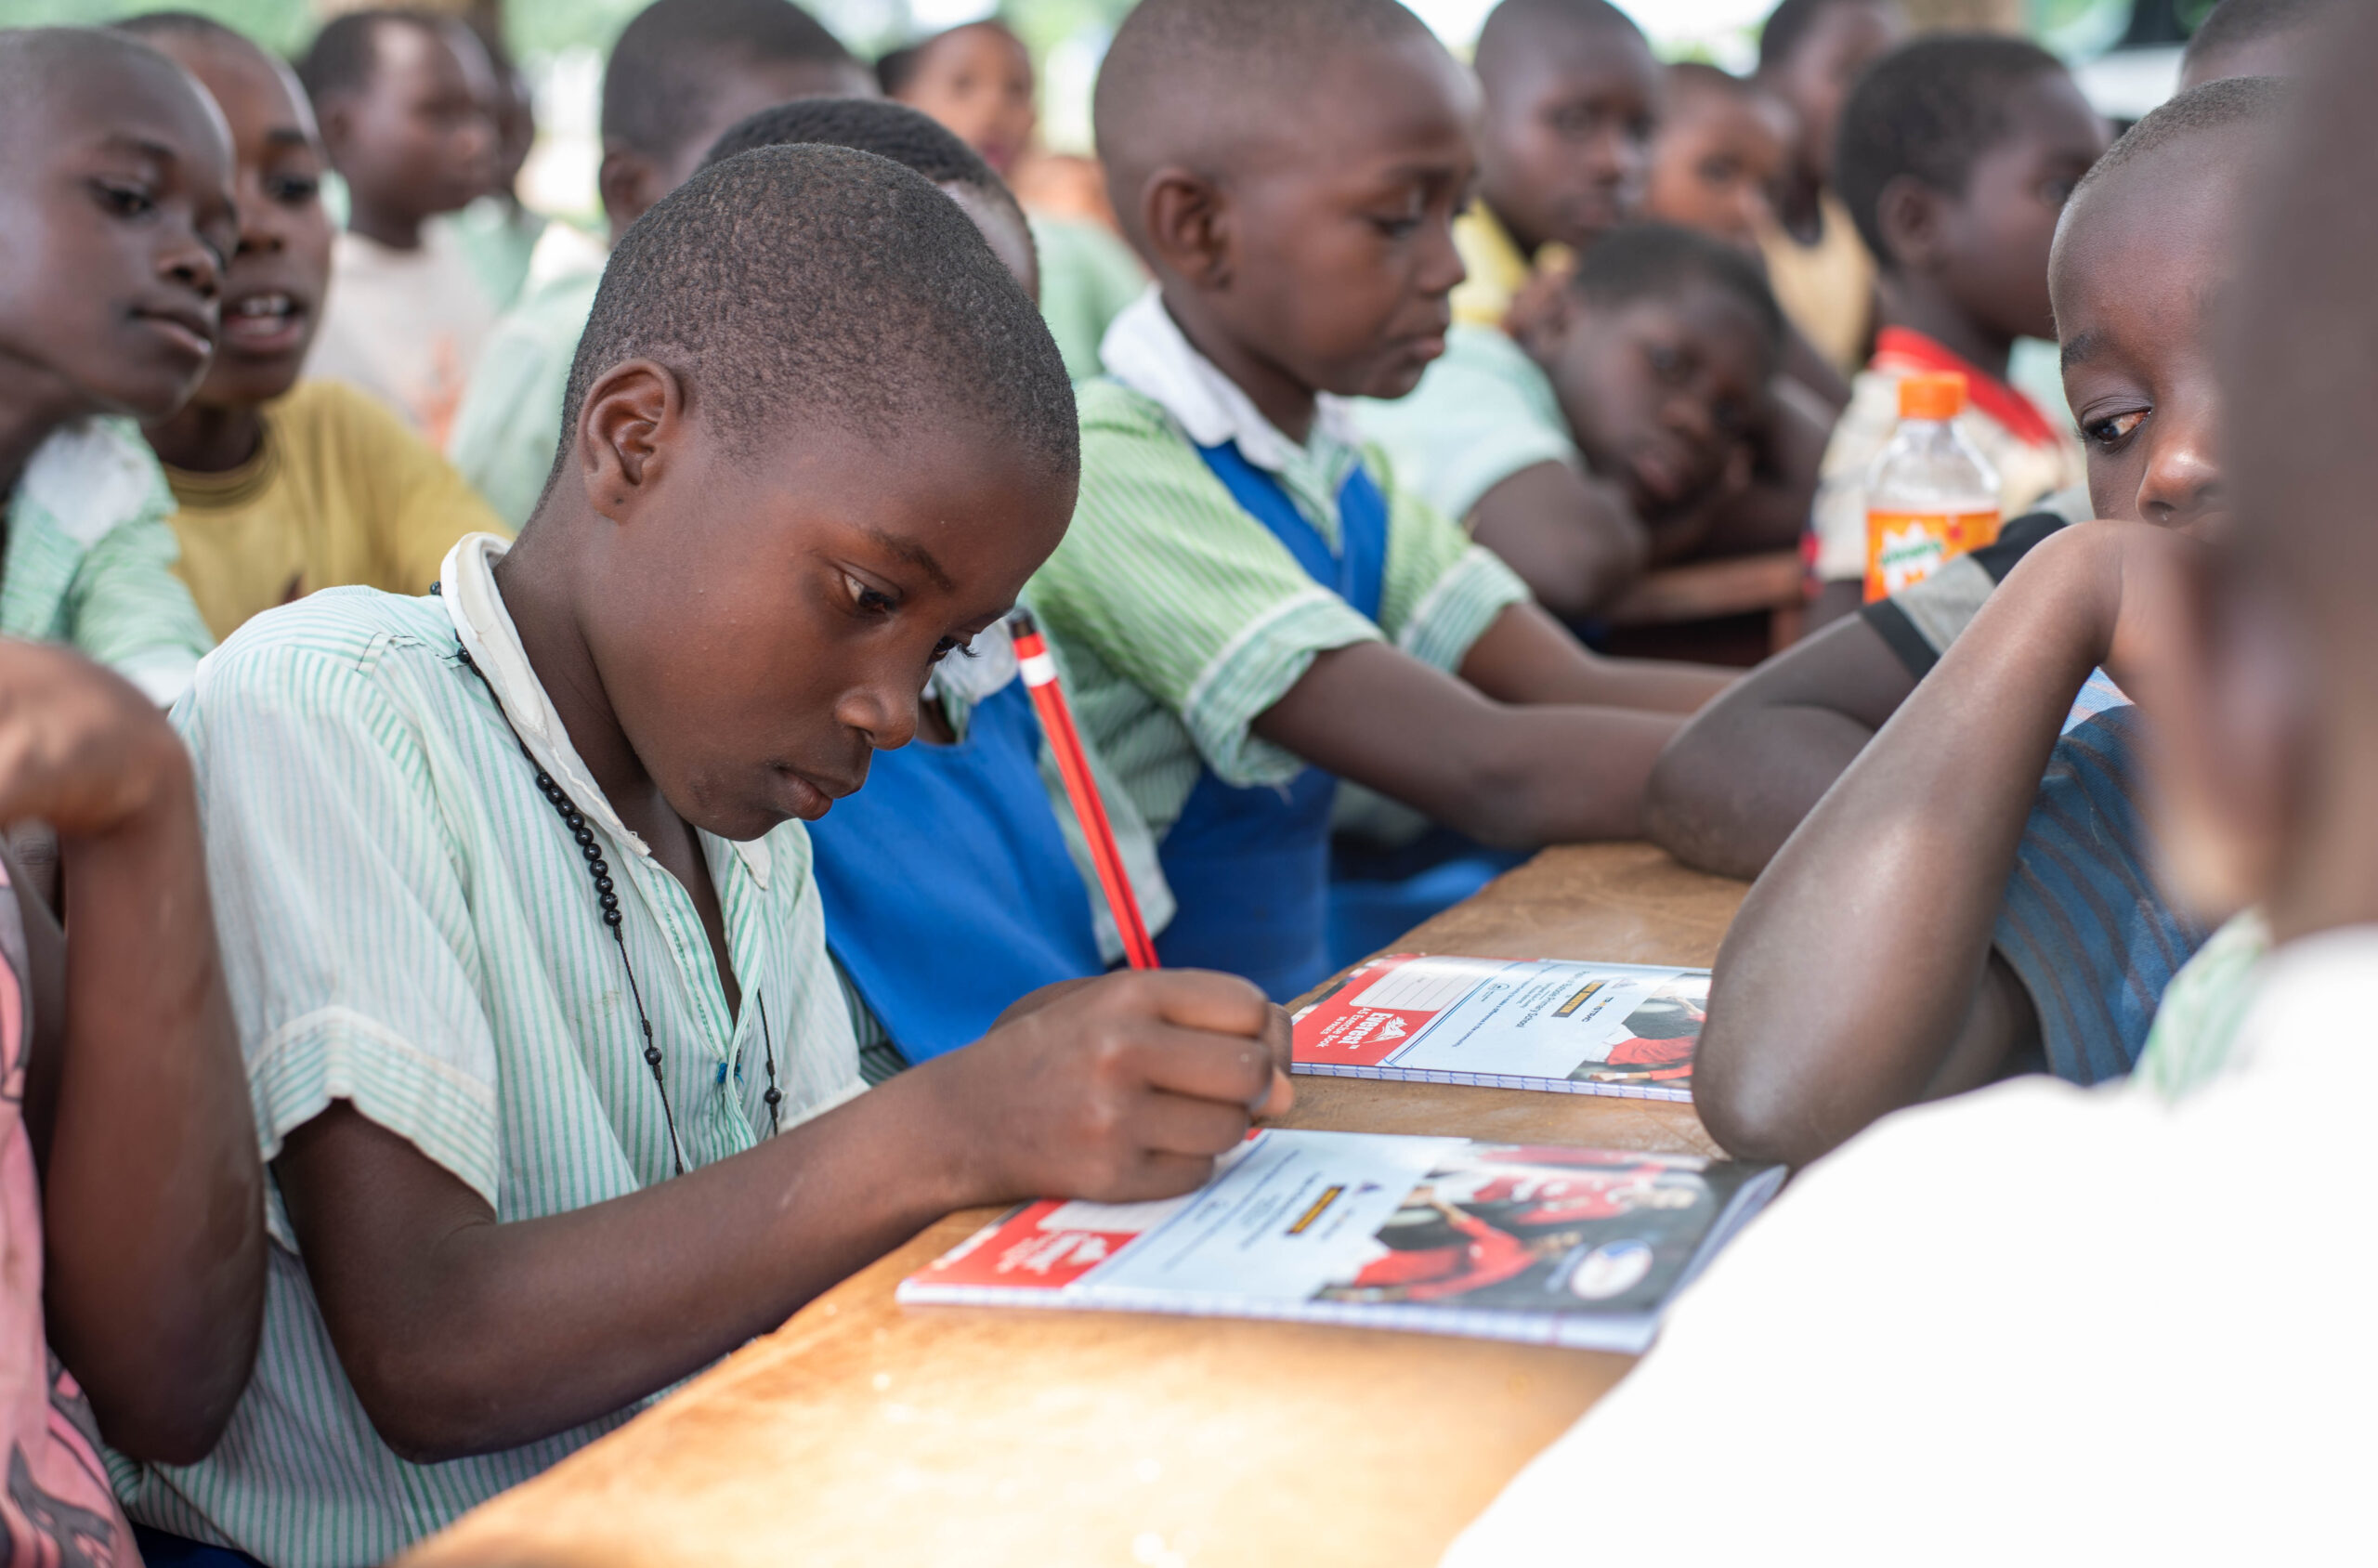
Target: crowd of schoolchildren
pixel 438 636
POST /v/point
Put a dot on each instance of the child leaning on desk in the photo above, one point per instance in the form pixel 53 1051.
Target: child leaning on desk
pixel 1979 888
pixel 2045 1324
pixel 519 928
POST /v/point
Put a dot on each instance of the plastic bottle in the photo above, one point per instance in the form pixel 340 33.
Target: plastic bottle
pixel 1930 496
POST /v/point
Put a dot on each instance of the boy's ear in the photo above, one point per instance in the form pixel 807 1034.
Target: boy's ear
pixel 629 183
pixel 1188 222
pixel 634 419
pixel 334 117
pixel 1910 214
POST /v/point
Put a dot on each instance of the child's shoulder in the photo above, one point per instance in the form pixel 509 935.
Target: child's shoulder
pixel 89 479
pixel 314 641
pixel 1136 453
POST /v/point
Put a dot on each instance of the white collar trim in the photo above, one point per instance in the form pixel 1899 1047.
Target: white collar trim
pixel 1146 351
pixel 476 608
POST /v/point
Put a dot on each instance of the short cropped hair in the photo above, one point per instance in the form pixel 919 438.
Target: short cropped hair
pixel 2238 100
pixel 664 62
pixel 822 285
pixel 1656 260
pixel 179 24
pixel 1928 109
pixel 2233 23
pixel 1511 26
pixel 890 130
pixel 1186 78
pixel 341 58
pixel 1790 22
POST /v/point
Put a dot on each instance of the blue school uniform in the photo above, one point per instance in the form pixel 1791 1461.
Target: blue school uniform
pixel 1250 866
pixel 947 887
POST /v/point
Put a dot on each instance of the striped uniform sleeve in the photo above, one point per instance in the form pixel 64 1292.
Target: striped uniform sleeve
pixel 344 918
pixel 1170 587
pixel 1441 590
pixel 2083 922
pixel 126 608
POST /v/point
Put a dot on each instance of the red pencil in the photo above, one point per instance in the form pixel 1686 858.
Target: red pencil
pixel 1073 765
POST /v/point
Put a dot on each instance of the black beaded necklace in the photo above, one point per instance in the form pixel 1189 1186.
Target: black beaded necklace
pixel 607 896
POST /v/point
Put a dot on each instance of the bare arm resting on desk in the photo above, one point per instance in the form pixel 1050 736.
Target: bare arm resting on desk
pixel 1535 741
pixel 1860 976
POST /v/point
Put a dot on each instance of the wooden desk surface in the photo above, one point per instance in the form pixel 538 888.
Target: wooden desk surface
pixel 866 1432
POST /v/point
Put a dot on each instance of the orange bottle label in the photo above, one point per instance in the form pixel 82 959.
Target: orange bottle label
pixel 1903 548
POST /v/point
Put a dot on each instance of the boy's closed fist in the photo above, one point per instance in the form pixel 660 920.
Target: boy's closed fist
pixel 1122 1090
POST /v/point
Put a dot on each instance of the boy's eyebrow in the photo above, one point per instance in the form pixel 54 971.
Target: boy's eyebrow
pixel 164 152
pixel 2078 348
pixel 288 136
pixel 914 553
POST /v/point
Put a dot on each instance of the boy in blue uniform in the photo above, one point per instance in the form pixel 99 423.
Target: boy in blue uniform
pixel 1252 606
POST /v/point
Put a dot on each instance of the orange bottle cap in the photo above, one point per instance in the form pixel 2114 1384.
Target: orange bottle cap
pixel 1932 395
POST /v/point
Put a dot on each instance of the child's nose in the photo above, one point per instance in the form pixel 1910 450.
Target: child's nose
pixel 188 261
pixel 885 709
pixel 2182 486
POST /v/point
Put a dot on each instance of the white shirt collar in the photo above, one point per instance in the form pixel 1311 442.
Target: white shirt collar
pixel 1147 352
pixel 473 603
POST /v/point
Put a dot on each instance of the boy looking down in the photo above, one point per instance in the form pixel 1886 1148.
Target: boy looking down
pixel 401 100
pixel 519 926
pixel 282 489
pixel 682 73
pixel 116 220
pixel 1252 607
pixel 955 833
pixel 2035 1271
pixel 1980 881
pixel 1956 155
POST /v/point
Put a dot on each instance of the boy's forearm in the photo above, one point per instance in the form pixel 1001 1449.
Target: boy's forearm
pixel 1508 775
pixel 1736 781
pixel 509 1333
pixel 1854 966
pixel 1572 539
pixel 154 1196
pixel 1526 658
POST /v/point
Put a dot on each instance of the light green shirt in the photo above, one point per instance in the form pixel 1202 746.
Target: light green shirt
pixel 1483 413
pixel 2195 1033
pixel 1087 277
pixel 90 558
pixel 408 925
pixel 508 425
pixel 1182 617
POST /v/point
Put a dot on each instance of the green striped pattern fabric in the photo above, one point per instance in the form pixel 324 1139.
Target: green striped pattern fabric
pixel 408 925
pixel 2194 1037
pixel 90 558
pixel 1181 618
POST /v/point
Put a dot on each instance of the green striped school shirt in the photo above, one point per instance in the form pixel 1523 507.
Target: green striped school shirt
pixel 1182 617
pixel 90 558
pixel 407 925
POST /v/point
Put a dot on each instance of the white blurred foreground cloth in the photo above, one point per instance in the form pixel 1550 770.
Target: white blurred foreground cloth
pixel 2035 1324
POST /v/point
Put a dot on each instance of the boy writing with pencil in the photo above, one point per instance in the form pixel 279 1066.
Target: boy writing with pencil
pixel 1918 1311
pixel 1251 606
pixel 559 1093
pixel 955 833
